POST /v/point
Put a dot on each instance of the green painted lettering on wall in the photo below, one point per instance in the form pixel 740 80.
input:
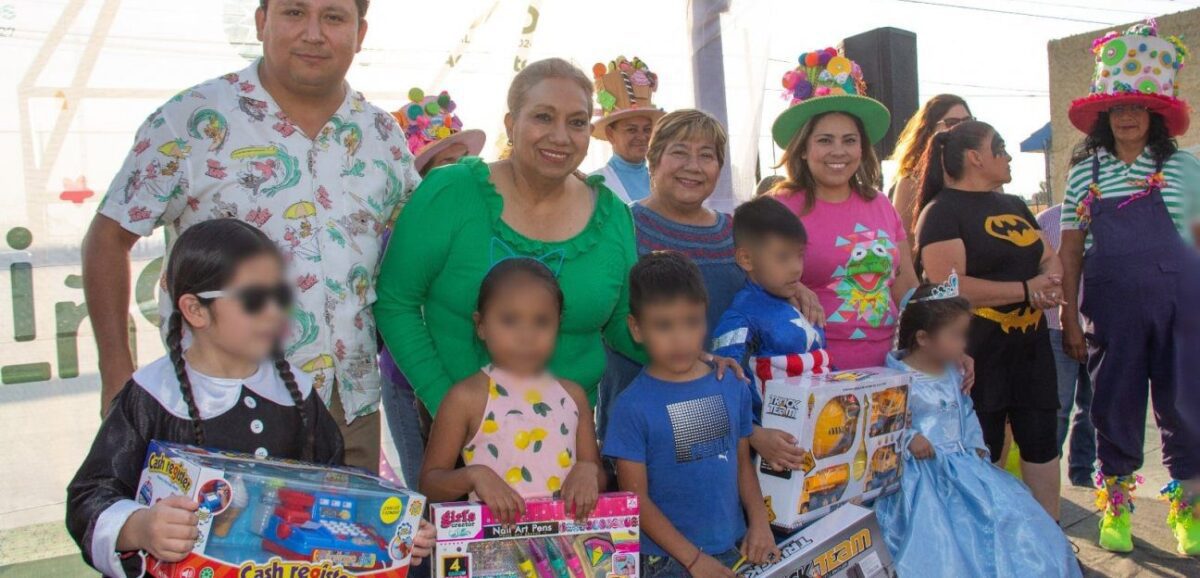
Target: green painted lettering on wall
pixel 21 280
pixel 24 323
pixel 24 373
pixel 68 316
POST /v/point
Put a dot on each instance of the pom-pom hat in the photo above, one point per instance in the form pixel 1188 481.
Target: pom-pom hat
pixel 624 89
pixel 430 126
pixel 1138 67
pixel 826 81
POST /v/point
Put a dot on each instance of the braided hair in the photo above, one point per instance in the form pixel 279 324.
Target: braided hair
pixel 205 258
pixel 289 379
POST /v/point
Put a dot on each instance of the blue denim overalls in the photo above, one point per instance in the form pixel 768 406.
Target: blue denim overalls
pixel 1141 297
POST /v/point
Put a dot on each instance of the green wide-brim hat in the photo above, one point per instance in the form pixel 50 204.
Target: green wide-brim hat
pixel 874 116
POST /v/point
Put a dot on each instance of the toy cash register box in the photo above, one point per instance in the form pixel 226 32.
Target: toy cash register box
pixel 544 543
pixel 849 425
pixel 261 517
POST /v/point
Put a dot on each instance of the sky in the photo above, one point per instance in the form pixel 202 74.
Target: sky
pixel 998 62
pixel 101 71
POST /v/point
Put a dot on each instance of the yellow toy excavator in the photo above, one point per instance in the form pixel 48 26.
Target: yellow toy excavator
pixel 836 424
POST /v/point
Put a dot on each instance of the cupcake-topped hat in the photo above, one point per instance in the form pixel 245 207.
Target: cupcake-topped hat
pixel 826 81
pixel 624 89
pixel 1138 67
pixel 430 126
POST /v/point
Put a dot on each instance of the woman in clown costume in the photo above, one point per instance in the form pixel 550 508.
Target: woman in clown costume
pixel 436 138
pixel 1131 199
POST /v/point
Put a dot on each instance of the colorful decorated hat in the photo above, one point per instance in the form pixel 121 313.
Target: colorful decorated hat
pixel 624 88
pixel 430 126
pixel 1137 67
pixel 826 81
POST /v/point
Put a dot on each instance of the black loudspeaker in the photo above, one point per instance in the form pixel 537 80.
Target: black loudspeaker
pixel 888 58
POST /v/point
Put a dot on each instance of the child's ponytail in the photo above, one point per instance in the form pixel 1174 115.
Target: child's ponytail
pixel 175 351
pixel 932 172
pixel 945 157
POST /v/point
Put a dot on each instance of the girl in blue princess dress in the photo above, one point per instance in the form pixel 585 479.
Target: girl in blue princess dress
pixel 956 514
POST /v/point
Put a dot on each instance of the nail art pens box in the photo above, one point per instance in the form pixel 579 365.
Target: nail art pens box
pixel 263 517
pixel 849 425
pixel 544 542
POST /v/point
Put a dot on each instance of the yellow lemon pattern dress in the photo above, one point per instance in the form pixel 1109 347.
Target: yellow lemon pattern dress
pixel 527 435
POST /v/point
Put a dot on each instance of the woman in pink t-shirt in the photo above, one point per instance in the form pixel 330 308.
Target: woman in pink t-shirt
pixel 858 261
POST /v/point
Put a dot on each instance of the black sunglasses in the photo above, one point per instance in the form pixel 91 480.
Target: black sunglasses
pixel 255 297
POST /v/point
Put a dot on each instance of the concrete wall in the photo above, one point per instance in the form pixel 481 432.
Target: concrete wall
pixel 1071 64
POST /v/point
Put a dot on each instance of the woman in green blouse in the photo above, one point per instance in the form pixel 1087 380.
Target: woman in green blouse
pixel 464 218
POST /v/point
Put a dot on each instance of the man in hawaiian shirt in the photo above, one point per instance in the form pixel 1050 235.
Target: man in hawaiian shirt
pixel 286 145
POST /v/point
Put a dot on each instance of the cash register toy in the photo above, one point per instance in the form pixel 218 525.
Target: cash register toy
pixel 262 517
pixel 321 525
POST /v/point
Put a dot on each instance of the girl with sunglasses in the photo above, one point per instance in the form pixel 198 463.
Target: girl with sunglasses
pixel 229 388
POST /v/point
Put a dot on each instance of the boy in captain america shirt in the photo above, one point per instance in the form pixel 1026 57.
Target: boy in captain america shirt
pixel 762 328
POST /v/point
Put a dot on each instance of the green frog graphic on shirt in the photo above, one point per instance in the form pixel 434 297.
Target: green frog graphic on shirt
pixel 862 283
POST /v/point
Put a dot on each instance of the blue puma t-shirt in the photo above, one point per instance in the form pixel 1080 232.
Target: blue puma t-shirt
pixel 687 434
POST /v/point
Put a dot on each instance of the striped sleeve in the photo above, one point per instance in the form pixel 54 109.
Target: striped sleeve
pixel 1188 167
pixel 732 338
pixel 1078 179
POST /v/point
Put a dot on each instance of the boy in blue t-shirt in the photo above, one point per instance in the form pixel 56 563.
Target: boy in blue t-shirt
pixel 680 435
pixel 762 329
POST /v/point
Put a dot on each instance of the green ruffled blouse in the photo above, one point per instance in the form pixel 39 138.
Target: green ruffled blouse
pixel 447 238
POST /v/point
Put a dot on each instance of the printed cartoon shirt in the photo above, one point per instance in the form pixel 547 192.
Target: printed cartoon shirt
pixel 853 249
pixel 225 149
pixel 770 338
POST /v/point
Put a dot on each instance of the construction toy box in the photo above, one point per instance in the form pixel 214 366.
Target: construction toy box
pixel 849 425
pixel 844 544
pixel 261 517
pixel 543 543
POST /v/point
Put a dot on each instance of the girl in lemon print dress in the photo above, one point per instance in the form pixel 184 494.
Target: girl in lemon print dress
pixel 518 430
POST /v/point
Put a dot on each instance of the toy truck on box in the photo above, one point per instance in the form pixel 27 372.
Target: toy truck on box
pixel 844 544
pixel 849 425
pixel 261 517
pixel 545 542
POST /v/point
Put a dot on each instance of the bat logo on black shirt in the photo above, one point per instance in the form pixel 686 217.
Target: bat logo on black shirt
pixel 1012 228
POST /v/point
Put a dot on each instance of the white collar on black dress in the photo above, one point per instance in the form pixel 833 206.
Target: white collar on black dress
pixel 215 396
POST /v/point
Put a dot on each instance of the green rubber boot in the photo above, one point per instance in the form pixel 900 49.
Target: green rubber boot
pixel 1181 518
pixel 1116 532
pixel 1115 498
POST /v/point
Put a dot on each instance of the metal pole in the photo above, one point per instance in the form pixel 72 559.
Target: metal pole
pixel 708 81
